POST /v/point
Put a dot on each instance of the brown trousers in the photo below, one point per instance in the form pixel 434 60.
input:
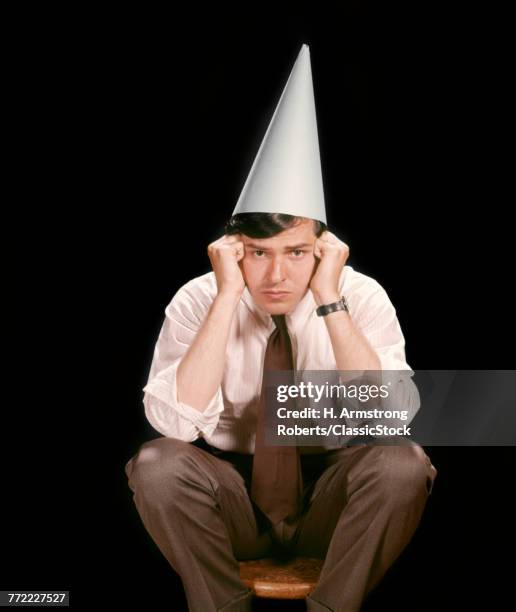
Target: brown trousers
pixel 361 506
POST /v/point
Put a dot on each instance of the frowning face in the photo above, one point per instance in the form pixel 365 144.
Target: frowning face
pixel 278 270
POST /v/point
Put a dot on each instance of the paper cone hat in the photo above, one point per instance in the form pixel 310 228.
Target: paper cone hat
pixel 286 174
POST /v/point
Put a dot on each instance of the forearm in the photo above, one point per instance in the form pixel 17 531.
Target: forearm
pixel 351 349
pixel 202 367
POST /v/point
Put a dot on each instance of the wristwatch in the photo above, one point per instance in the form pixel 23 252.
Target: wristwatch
pixel 327 308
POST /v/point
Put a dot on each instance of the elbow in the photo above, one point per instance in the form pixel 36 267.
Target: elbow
pixel 165 421
pixel 414 400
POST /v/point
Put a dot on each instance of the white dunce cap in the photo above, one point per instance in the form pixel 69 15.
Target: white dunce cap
pixel 286 174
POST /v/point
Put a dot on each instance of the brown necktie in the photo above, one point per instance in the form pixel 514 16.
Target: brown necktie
pixel 276 483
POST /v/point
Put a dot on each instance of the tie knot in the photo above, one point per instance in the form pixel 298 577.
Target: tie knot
pixel 279 321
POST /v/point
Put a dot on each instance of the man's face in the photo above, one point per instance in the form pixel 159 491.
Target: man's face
pixel 285 262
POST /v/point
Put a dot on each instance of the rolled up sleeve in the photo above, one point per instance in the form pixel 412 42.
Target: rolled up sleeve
pixel 170 417
pixel 379 324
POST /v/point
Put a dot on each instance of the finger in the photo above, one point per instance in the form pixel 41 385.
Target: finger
pixel 329 237
pixel 231 239
pixel 239 249
pixel 240 253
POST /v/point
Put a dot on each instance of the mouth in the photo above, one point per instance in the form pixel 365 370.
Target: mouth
pixel 276 294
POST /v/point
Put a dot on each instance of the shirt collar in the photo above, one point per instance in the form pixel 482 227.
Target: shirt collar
pixel 295 320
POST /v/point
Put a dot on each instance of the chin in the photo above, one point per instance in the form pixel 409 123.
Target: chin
pixel 276 309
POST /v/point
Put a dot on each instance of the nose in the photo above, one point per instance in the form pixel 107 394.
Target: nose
pixel 276 272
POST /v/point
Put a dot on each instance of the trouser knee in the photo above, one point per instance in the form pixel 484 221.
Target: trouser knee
pixel 160 466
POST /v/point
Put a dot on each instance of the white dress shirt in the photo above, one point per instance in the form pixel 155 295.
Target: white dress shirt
pixel 229 421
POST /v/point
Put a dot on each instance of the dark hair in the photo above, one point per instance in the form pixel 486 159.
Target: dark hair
pixel 266 225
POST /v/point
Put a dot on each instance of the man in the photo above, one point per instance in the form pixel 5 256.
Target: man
pixel 209 490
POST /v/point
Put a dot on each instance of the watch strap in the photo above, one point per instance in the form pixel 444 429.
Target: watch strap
pixel 325 309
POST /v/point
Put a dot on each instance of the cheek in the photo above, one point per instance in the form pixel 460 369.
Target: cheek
pixel 250 269
pixel 302 272
pixel 307 268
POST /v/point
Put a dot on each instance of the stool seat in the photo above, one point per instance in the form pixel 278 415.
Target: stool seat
pixel 271 578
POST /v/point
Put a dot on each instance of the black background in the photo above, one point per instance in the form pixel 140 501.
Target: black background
pixel 136 131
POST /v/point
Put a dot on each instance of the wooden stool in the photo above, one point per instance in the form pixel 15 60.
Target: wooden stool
pixel 272 578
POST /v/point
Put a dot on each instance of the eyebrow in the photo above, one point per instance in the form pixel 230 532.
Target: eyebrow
pixel 252 245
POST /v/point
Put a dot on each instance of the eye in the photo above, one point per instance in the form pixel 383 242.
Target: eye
pixel 257 251
pixel 298 251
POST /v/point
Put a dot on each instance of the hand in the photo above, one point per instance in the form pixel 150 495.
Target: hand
pixel 332 255
pixel 224 254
